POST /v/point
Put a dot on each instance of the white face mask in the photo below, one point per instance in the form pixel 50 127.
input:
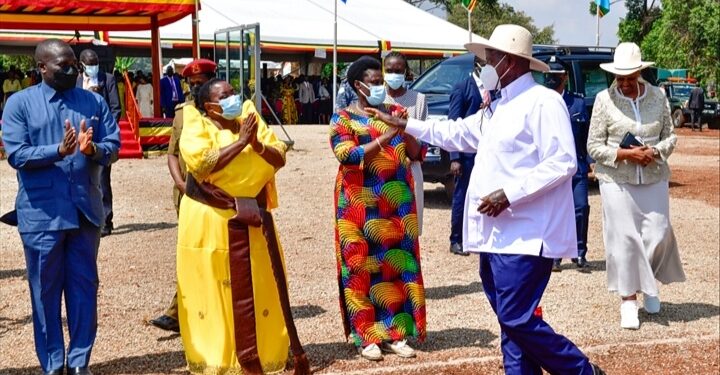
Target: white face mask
pixel 489 76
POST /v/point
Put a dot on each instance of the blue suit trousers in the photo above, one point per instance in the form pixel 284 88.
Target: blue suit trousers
pixel 582 211
pixel 107 196
pixel 514 285
pixel 458 200
pixel 63 262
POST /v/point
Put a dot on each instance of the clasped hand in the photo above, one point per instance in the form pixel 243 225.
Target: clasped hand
pixel 494 203
pixel 248 132
pixel 642 155
pixel 73 140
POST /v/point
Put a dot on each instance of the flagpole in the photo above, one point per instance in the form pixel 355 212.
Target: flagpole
pixel 334 73
pixel 469 25
pixel 597 34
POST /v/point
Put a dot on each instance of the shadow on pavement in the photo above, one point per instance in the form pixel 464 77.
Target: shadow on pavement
pixel 307 311
pixel 453 338
pixel 450 291
pixel 8 325
pixel 159 363
pixel 142 227
pixel 323 355
pixel 437 199
pixel 680 312
pixel 7 274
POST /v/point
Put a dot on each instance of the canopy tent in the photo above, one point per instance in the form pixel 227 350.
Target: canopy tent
pixel 304 26
pixel 99 15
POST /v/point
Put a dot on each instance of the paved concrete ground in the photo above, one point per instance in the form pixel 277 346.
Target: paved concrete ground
pixel 137 270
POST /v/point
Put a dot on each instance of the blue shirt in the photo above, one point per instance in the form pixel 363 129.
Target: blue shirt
pixel 580 122
pixel 52 189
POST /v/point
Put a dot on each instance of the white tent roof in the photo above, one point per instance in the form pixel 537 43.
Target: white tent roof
pixel 360 23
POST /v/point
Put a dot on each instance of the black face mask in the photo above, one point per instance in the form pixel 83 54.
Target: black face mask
pixel 552 81
pixel 65 79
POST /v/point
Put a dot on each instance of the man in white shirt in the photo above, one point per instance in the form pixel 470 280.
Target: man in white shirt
pixel 519 211
pixel 306 94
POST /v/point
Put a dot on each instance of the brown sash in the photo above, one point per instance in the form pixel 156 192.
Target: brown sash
pixel 250 212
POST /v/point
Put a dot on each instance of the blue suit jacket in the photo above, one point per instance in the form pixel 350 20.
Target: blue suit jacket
pixel 109 92
pixel 54 191
pixel 580 122
pixel 465 101
pixel 166 92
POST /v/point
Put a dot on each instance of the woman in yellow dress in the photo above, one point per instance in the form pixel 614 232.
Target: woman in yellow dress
pixel 289 109
pixel 238 154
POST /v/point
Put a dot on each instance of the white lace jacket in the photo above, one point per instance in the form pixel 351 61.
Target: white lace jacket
pixel 648 118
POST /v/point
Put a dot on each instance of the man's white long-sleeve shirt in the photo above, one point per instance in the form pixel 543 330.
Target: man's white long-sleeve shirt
pixel 527 149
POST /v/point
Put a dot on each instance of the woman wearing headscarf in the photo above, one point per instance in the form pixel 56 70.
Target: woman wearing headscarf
pixel 382 297
pixel 234 312
pixel 631 138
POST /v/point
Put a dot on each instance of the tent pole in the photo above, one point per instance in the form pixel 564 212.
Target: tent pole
pixel 597 34
pixel 195 33
pixel 334 72
pixel 469 26
pixel 156 62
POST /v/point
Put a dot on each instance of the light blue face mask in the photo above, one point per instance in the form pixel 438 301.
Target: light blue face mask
pixel 394 80
pixel 231 107
pixel 92 70
pixel 377 94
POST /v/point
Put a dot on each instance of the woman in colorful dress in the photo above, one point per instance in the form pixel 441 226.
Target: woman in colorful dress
pixel 240 157
pixel 382 298
pixel 289 109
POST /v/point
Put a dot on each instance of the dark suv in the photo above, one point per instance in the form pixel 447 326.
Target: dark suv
pixel 586 79
pixel 678 93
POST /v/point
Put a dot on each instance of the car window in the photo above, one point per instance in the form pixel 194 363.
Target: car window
pixel 595 79
pixel 681 90
pixel 442 78
pixel 540 79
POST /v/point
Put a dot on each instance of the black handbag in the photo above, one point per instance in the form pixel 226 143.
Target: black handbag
pixel 630 140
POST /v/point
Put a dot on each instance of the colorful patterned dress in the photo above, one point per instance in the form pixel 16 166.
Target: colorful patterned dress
pixel 382 297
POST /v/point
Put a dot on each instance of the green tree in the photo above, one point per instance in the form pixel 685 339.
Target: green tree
pixel 638 21
pixel 449 4
pixel 485 18
pixel 687 35
pixel 22 62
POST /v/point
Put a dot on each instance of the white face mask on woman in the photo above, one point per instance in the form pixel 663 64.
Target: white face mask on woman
pixel 489 76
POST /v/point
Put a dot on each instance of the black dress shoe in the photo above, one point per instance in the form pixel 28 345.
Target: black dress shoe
pixel 79 371
pixel 106 231
pixel 556 265
pixel 167 323
pixel 597 370
pixel 457 249
pixel 54 372
pixel 582 263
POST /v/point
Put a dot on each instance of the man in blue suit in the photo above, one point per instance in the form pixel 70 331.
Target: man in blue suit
pixel 171 93
pixel 103 84
pixel 556 79
pixel 58 137
pixel 465 100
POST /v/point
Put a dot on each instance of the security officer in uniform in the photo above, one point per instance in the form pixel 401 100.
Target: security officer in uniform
pixel 556 79
pixel 197 73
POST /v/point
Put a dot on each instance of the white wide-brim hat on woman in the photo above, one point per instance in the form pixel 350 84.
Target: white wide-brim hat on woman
pixel 511 39
pixel 627 60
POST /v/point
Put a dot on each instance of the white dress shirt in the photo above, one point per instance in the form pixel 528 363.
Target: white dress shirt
pixel 527 149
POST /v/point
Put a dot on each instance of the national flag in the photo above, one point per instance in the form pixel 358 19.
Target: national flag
pixel 469 4
pixel 344 1
pixel 603 7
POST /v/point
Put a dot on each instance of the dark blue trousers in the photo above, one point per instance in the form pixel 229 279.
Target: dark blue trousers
pixel 582 211
pixel 63 262
pixel 514 285
pixel 458 199
pixel 107 197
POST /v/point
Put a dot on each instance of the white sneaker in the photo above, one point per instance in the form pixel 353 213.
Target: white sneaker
pixel 401 348
pixel 629 315
pixel 651 304
pixel 371 352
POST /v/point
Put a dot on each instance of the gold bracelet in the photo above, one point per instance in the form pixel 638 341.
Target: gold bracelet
pixel 262 151
pixel 378 143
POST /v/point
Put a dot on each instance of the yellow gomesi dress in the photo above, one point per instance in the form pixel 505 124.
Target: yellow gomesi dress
pixel 204 294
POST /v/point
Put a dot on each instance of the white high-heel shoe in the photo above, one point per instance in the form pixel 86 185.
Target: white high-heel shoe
pixel 629 315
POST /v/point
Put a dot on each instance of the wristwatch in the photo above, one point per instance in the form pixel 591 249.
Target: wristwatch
pixel 656 153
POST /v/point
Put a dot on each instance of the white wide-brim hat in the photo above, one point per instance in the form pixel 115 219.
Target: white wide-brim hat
pixel 627 60
pixel 511 39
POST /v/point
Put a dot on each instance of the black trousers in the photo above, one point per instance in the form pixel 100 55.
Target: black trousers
pixel 696 115
pixel 107 196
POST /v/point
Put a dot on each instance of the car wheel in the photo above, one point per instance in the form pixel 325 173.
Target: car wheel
pixel 449 187
pixel 678 118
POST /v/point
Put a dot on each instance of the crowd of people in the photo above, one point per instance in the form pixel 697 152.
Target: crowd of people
pixel 523 147
pixel 299 100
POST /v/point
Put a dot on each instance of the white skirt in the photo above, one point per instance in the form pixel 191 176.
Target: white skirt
pixel 640 245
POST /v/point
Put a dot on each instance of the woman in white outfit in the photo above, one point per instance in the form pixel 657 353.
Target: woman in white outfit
pixel 640 246
pixel 145 97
